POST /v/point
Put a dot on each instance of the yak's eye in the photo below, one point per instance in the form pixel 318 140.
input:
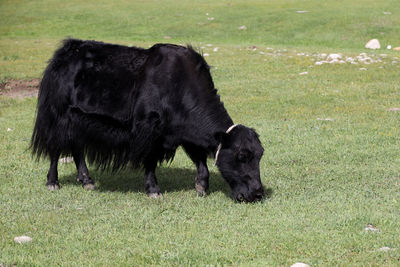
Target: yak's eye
pixel 244 155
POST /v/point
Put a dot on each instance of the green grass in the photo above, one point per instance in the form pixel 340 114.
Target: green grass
pixel 327 179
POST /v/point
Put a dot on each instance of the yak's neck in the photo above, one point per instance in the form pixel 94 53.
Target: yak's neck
pixel 202 127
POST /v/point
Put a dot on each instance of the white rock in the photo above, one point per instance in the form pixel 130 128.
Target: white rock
pixel 9 129
pixel 334 56
pixel 242 28
pixel 384 249
pixel 215 49
pixel 22 239
pixel 212 18
pixel 373 44
pixel 300 264
pixel 335 60
pixel 363 69
pixel 303 73
pixel 318 63
pixel 371 228
pixel 393 109
pixel 387 13
pixel 206 55
pixel 389 47
pixel 327 119
pixel 302 11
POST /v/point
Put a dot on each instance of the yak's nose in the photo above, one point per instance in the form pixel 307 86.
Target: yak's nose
pixel 240 197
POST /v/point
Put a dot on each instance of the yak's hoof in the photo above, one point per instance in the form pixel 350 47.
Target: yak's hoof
pixel 89 187
pixel 154 195
pixel 201 191
pixel 53 187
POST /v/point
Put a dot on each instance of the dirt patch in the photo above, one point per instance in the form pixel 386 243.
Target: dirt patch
pixel 20 88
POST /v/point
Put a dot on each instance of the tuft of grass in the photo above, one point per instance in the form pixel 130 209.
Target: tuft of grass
pixel 331 163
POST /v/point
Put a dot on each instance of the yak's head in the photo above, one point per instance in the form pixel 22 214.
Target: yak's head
pixel 238 159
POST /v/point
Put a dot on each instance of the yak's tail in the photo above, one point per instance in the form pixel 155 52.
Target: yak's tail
pixel 50 133
pixel 44 120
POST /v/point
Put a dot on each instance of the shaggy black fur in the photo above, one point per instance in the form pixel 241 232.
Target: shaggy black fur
pixel 119 105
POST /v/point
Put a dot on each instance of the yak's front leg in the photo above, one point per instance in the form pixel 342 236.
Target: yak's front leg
pixel 52 176
pixel 203 175
pixel 83 172
pixel 150 184
pixel 199 157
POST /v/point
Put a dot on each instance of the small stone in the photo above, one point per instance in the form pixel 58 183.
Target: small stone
pixel 363 68
pixel 300 264
pixel 318 63
pixel 384 249
pixel 206 55
pixel 210 18
pixel 303 73
pixel 66 160
pixel 396 48
pixel 9 129
pixel 389 47
pixel 393 109
pixel 334 56
pixel 302 11
pixel 242 28
pixel 373 44
pixel 22 239
pixel 326 119
pixel 215 49
pixel 387 13
pixel 371 228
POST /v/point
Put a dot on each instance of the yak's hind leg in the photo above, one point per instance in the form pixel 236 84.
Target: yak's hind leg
pixel 151 186
pixel 83 172
pixel 199 157
pixel 52 176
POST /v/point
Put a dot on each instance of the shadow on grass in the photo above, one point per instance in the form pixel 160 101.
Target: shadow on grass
pixel 169 179
pixel 128 180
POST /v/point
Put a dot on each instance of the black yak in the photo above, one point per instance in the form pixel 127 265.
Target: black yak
pixel 115 105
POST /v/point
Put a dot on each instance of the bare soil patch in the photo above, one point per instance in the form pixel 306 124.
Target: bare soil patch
pixel 20 88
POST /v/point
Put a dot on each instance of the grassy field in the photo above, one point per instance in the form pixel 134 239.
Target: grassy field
pixel 331 139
